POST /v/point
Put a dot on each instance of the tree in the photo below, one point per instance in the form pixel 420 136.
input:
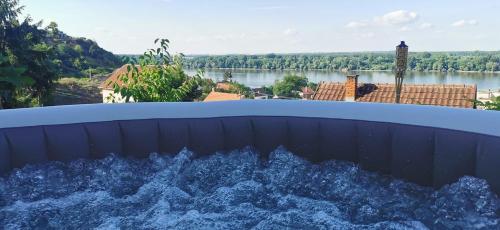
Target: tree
pixel 494 104
pixel 238 88
pixel 9 10
pixel 10 79
pixel 423 61
pixel 228 76
pixel 290 86
pixel 156 76
pixel 78 49
pixel 53 29
pixel 23 48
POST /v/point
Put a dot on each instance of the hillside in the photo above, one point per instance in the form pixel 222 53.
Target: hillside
pixel 75 56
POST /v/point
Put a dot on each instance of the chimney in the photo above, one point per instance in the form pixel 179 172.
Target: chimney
pixel 351 88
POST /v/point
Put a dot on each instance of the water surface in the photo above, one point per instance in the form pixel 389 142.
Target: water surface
pixel 258 78
pixel 238 190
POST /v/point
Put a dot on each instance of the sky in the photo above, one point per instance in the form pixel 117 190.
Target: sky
pixel 276 26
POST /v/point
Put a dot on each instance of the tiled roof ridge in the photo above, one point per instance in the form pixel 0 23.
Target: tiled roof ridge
pixel 455 95
pixel 407 84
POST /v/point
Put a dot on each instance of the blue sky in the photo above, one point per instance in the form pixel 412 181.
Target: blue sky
pixel 279 26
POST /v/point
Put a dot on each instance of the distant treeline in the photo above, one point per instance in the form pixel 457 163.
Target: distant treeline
pixel 422 61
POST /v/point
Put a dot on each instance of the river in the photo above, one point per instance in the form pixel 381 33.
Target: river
pixel 258 78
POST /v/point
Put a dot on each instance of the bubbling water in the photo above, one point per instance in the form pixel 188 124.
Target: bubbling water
pixel 238 190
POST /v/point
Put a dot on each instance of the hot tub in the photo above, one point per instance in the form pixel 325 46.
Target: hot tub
pixel 430 146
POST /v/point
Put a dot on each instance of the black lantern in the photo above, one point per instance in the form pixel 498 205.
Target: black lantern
pixel 401 65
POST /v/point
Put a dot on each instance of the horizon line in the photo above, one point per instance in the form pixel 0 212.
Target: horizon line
pixel 297 53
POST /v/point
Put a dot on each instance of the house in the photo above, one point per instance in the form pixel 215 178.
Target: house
pixel 461 96
pixel 225 86
pixel 107 86
pixel 307 93
pixel 218 96
pixel 260 94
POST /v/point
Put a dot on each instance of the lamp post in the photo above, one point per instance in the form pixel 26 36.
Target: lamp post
pixel 401 65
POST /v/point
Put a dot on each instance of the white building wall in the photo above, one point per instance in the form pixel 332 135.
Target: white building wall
pixel 109 96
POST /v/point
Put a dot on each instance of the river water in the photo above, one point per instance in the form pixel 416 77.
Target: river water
pixel 258 78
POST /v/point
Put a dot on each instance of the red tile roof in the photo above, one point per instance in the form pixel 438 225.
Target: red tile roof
pixel 307 90
pixel 218 96
pixel 440 95
pixel 115 78
pixel 224 86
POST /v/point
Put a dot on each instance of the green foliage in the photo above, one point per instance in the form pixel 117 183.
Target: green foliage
pixel 494 104
pixel 158 77
pixel 11 78
pixel 312 85
pixel 32 58
pixel 25 47
pixel 228 76
pixel 238 88
pixel 206 87
pixel 269 90
pixel 28 78
pixel 76 56
pixel 78 49
pixel 423 61
pixel 290 86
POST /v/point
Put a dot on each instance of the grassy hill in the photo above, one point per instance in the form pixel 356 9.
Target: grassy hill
pixel 78 56
pixel 71 91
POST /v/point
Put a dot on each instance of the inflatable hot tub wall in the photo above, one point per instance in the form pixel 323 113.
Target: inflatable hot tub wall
pixel 431 146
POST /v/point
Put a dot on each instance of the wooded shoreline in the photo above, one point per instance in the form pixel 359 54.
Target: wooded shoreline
pixel 350 71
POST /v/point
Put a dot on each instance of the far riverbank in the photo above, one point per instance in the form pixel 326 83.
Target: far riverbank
pixel 257 78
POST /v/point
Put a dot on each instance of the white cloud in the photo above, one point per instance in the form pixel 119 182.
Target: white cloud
pixel 399 17
pixel 290 32
pixel 426 25
pixel 355 24
pixel 225 37
pixel 405 29
pixel 464 22
pixel 367 35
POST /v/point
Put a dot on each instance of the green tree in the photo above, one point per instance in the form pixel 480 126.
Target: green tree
pixel 11 78
pixel 290 86
pixel 156 76
pixel 53 29
pixel 23 48
pixel 228 76
pixel 238 88
pixel 421 61
pixel 494 104
pixel 9 10
pixel 78 49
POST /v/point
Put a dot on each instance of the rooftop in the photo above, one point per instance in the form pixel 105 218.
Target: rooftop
pixel 462 96
pixel 115 78
pixel 218 96
pixel 224 86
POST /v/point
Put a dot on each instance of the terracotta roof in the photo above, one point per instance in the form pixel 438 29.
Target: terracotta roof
pixel 224 86
pixel 307 91
pixel 115 78
pixel 218 96
pixel 441 95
